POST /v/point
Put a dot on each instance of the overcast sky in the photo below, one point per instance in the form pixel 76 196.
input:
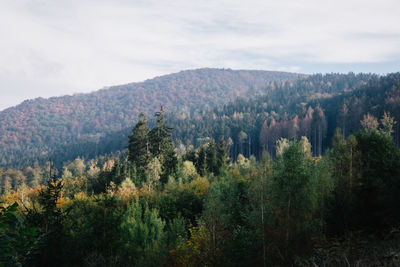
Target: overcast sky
pixel 57 47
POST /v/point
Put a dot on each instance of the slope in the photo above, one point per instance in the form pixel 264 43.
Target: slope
pixel 34 129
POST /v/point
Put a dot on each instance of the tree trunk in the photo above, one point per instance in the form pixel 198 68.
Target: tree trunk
pixel 288 222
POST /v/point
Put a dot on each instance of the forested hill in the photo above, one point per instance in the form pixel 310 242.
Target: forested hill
pixel 33 129
pixel 312 106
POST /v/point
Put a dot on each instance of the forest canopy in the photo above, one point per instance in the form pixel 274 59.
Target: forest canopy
pixel 155 207
pixel 307 174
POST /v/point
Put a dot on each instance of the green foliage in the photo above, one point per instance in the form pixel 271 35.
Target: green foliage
pixel 295 200
pixel 379 187
pixel 98 123
pixel 143 236
pixel 186 200
pixel 271 212
pixel 139 144
pixel 388 124
pixel 152 208
pixel 188 171
pixel 345 167
pixel 94 236
pixel 71 126
pixel 224 217
pixel 369 123
pixel 49 220
pixel 17 240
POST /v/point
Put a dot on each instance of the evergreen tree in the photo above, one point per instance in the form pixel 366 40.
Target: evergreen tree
pixel 378 192
pixel 344 159
pixel 222 155
pixel 170 165
pixel 295 199
pixel 143 235
pixel 139 144
pixel 49 220
pixel 162 147
pixel 211 157
pixel 201 161
pixel 160 136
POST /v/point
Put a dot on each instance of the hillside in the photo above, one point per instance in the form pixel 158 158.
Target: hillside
pixel 284 110
pixel 154 208
pixel 313 107
pixel 34 129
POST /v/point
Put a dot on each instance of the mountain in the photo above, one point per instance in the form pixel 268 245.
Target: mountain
pixel 37 128
pixel 312 106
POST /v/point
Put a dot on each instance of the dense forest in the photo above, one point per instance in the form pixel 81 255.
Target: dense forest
pixel 35 129
pixel 313 107
pixel 202 208
pixel 304 173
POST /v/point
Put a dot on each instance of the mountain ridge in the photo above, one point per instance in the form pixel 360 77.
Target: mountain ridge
pixel 35 126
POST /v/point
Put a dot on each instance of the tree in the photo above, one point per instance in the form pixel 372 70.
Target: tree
pixel 319 130
pixel 127 188
pixel 160 136
pixel 201 160
pixel 378 192
pixel 281 145
pixel 152 173
pixel 222 155
pixel 387 123
pixel 49 220
pixel 34 176
pixel 211 157
pixel 17 240
pixel 345 163
pixel 342 118
pixel 169 166
pixel 242 137
pixel 162 147
pixel 139 144
pixel 143 235
pixel 369 123
pixel 260 213
pixel 293 192
pixel 188 171
pixel 77 167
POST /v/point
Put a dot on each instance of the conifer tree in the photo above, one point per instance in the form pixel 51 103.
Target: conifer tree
pixel 139 145
pixel 211 156
pixel 162 147
pixel 293 191
pixel 222 154
pixel 160 136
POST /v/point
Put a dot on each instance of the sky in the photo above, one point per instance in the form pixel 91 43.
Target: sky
pixel 52 48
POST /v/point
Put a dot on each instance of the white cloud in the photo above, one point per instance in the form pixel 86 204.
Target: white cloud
pixel 60 47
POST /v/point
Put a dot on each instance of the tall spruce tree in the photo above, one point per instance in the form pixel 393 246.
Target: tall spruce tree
pixel 222 154
pixel 139 144
pixel 211 157
pixel 160 136
pixel 162 147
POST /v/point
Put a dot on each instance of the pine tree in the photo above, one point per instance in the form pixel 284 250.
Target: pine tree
pixel 50 223
pixel 162 147
pixel 211 157
pixel 222 155
pixel 139 145
pixel 160 136
pixel 143 235
pixel 201 161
